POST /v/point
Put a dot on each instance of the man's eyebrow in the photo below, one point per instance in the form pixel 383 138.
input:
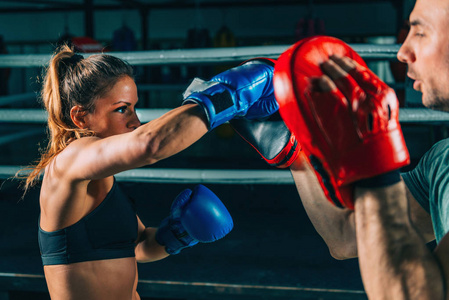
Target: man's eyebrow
pixel 415 22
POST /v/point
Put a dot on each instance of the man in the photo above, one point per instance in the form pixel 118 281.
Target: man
pixel 391 223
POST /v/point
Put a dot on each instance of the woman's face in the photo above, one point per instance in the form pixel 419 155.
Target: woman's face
pixel 115 113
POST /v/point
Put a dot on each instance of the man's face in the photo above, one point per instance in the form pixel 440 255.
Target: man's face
pixel 426 52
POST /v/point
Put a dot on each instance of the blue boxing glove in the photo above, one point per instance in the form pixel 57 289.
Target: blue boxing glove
pixel 246 90
pixel 269 136
pixel 195 216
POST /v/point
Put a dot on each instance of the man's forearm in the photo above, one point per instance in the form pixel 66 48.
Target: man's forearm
pixel 394 261
pixel 335 225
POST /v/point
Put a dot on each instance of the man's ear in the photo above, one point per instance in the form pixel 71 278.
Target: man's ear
pixel 78 116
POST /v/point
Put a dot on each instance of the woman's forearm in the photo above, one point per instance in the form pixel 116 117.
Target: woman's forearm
pixel 172 132
pixel 148 249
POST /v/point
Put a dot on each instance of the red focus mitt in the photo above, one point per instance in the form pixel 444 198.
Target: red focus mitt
pixel 270 137
pixel 349 133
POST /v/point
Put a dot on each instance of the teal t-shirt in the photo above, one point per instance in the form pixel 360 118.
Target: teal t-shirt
pixel 429 184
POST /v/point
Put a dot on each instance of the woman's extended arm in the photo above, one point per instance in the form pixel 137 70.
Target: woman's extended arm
pixel 95 158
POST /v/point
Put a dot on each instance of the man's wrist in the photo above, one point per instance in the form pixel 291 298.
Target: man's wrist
pixel 382 180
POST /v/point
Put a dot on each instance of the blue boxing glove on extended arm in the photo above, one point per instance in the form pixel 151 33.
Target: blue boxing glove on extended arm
pixel 232 93
pixel 195 216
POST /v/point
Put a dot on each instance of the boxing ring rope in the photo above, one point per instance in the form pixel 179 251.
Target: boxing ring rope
pixel 259 290
pixel 198 56
pixel 189 176
pixel 13 99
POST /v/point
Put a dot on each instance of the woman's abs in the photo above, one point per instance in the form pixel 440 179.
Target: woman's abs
pixel 101 279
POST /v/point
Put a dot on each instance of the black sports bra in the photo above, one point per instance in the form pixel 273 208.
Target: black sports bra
pixel 108 232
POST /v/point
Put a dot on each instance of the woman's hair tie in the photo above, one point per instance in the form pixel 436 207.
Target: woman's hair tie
pixel 74 59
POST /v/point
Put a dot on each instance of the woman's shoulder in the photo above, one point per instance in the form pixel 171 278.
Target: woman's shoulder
pixel 75 147
pixel 60 164
pixel 81 142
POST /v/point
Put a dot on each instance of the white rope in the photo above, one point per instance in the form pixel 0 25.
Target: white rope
pixel 12 115
pixel 422 115
pixel 406 115
pixel 207 176
pixel 10 99
pixel 198 56
pixel 188 176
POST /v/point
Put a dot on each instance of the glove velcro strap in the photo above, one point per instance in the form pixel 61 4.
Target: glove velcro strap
pixel 221 101
pixel 174 240
pixel 219 108
pixel 288 155
pixel 215 99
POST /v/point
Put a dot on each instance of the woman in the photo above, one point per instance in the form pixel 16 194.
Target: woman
pixel 89 235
